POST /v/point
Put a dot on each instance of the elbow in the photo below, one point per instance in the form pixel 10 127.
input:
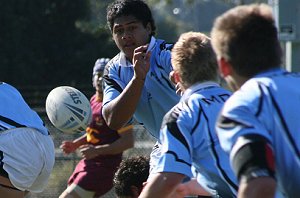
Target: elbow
pixel 112 125
pixel 110 120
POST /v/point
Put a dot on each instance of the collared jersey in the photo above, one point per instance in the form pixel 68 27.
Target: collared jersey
pixel 158 95
pixel 268 105
pixel 15 112
pixel 188 139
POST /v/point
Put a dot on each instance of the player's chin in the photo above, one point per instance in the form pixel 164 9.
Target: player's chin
pixel 128 51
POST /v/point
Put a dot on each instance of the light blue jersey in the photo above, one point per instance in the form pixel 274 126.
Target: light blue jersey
pixel 15 113
pixel 158 95
pixel 188 139
pixel 268 105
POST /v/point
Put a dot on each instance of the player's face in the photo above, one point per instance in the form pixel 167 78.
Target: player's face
pixel 129 33
pixel 97 82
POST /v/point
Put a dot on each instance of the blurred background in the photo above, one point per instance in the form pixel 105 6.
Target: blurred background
pixel 49 43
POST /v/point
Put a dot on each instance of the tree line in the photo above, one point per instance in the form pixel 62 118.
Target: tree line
pixel 50 42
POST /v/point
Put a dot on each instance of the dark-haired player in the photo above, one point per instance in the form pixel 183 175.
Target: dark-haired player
pixel 136 81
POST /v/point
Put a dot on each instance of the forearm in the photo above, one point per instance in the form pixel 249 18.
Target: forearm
pixel 194 188
pixel 120 110
pixel 263 187
pixel 80 141
pixel 125 142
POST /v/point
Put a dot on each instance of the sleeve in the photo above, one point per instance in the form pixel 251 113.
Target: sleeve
pixel 241 116
pixel 112 84
pixel 176 144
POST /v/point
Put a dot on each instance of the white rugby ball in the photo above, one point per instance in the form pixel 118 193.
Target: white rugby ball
pixel 68 109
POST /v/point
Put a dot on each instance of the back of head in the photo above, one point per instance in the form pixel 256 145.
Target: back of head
pixel 246 36
pixel 137 8
pixel 132 171
pixel 194 59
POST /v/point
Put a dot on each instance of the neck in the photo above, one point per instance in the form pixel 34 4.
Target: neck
pixel 99 96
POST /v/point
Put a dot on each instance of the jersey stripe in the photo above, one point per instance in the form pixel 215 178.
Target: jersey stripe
pixel 11 122
pixel 177 159
pixel 283 123
pixel 224 174
pixel 174 130
pixel 112 83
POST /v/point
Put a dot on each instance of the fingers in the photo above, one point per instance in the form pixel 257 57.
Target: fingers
pixel 141 53
pixel 142 48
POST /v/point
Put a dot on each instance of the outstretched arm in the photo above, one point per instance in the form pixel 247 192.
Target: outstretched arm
pixel 125 142
pixel 70 146
pixel 120 110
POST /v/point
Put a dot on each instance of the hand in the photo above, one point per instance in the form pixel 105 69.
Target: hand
pixel 68 147
pixel 88 151
pixel 141 62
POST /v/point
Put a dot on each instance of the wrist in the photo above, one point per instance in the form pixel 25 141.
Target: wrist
pixel 138 79
pixel 76 144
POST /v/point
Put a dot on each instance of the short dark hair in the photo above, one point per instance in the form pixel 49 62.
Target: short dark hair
pixel 137 8
pixel 246 36
pixel 132 171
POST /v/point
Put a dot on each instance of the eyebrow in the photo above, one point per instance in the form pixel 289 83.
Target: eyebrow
pixel 129 23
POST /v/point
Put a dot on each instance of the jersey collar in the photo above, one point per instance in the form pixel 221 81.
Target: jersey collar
pixel 270 72
pixel 198 86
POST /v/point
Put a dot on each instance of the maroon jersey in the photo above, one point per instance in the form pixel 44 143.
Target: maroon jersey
pixel 97 174
pixel 98 132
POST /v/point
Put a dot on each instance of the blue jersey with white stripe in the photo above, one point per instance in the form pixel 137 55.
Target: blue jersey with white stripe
pixel 158 95
pixel 188 139
pixel 14 111
pixel 269 105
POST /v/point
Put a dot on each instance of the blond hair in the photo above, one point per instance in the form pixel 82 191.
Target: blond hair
pixel 194 59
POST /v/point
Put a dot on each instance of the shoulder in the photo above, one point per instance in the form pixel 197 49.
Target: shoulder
pixel 163 45
pixel 112 67
pixel 180 111
pixel 246 98
pixel 9 88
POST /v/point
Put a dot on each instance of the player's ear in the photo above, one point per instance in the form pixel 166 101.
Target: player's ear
pixel 135 191
pixel 149 28
pixel 224 67
pixel 176 77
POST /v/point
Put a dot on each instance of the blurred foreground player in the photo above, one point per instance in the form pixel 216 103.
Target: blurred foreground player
pixel 259 125
pixel 26 148
pixel 101 148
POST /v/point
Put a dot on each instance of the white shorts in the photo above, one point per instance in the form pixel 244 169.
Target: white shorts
pixel 154 157
pixel 28 158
